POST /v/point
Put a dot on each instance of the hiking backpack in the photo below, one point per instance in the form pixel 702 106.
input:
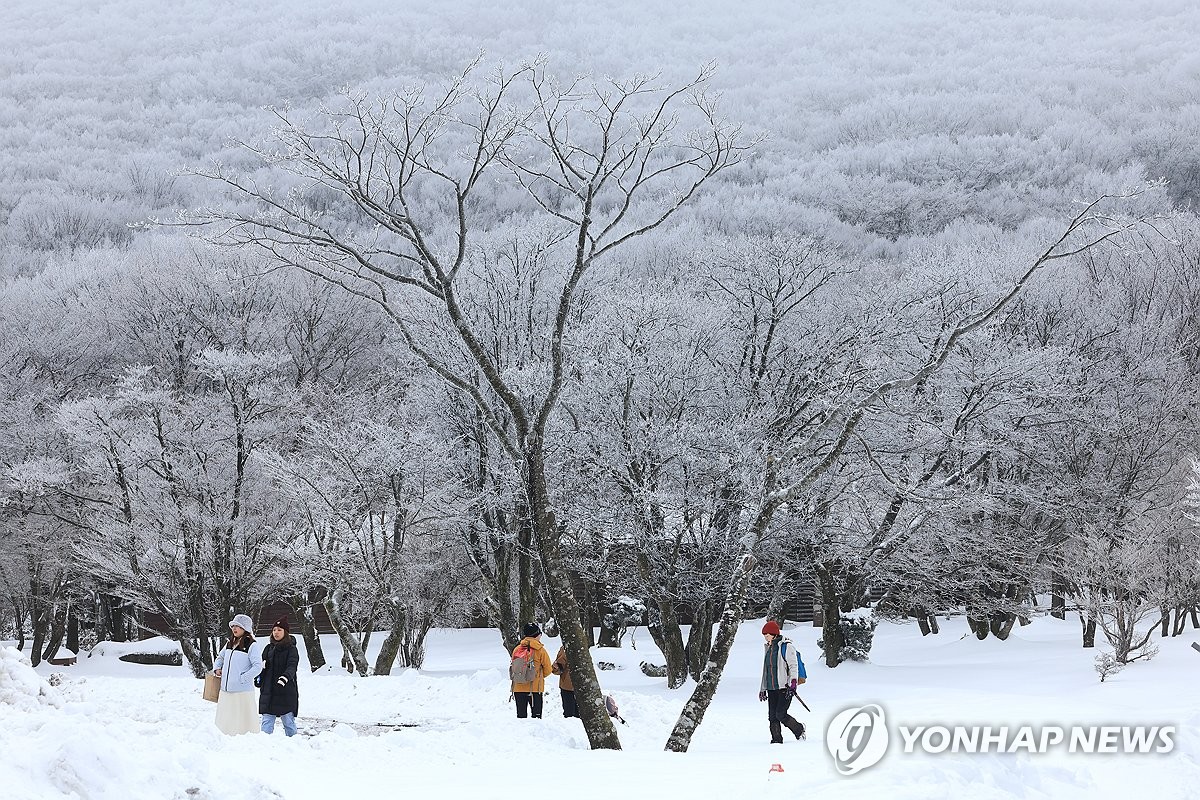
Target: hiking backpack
pixel 524 666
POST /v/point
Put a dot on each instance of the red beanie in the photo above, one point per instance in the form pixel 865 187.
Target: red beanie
pixel 282 622
pixel 771 627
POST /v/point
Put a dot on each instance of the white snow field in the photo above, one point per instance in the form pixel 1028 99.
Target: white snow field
pixel 116 730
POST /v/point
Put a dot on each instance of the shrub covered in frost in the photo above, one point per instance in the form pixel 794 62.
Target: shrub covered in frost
pixel 858 633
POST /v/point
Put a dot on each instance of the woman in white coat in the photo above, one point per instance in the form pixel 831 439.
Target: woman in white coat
pixel 237 665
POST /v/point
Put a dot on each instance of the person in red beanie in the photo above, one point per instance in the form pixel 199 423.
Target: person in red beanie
pixel 782 671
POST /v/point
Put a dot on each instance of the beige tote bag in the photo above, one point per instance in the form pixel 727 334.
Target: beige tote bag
pixel 212 686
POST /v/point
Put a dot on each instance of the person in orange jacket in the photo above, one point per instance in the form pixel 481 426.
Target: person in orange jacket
pixel 528 694
pixel 565 686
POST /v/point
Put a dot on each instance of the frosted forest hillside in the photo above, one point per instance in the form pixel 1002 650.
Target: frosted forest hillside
pixel 885 119
pixel 660 314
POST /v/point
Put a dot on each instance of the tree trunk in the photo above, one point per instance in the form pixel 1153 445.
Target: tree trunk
pixel 369 624
pixel 1058 590
pixel 490 541
pixel 72 630
pixel 1002 625
pixel 831 615
pixel 507 620
pixel 587 611
pixel 927 622
pixel 111 619
pixel 700 638
pixel 39 616
pixel 391 644
pixel 405 643
pixel 588 697
pixel 610 629
pixel 199 659
pixel 777 608
pixel 412 645
pixel 36 644
pixel 664 620
pixel 19 623
pixel 506 611
pixel 694 709
pixel 527 571
pixel 669 637
pixel 350 643
pixel 58 629
pixel 308 631
pixel 1089 629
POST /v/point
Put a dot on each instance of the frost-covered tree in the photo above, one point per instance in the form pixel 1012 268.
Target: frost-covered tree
pixel 379 516
pixel 597 165
pixel 40 525
pixel 792 468
pixel 187 528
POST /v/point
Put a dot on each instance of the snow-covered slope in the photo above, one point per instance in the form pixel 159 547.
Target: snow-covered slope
pixel 124 731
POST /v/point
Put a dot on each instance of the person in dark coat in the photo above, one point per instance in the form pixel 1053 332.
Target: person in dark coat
pixel 279 696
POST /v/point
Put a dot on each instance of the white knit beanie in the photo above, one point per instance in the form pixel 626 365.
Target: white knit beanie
pixel 244 622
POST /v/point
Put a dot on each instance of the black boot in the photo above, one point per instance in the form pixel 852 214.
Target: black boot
pixel 795 726
pixel 776 734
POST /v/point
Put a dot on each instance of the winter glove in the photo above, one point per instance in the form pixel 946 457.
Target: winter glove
pixel 762 696
pixel 257 681
pixel 282 681
pixel 793 684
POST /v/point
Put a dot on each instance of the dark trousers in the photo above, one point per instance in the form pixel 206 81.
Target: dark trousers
pixel 569 707
pixel 778 702
pixel 527 699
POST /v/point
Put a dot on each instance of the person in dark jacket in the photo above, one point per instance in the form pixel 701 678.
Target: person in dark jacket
pixel 279 696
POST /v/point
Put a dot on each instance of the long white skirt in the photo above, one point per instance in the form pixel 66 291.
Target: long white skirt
pixel 237 712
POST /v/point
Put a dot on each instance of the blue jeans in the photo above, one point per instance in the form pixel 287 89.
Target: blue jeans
pixel 289 723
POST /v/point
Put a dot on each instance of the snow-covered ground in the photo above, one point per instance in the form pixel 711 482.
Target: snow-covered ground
pixel 117 730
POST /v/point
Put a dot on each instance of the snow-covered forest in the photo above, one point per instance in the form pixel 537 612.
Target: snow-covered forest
pixel 440 314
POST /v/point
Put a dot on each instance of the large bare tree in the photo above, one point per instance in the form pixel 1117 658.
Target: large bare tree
pixel 388 199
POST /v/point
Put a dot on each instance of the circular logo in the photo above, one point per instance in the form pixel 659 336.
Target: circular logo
pixel 857 738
